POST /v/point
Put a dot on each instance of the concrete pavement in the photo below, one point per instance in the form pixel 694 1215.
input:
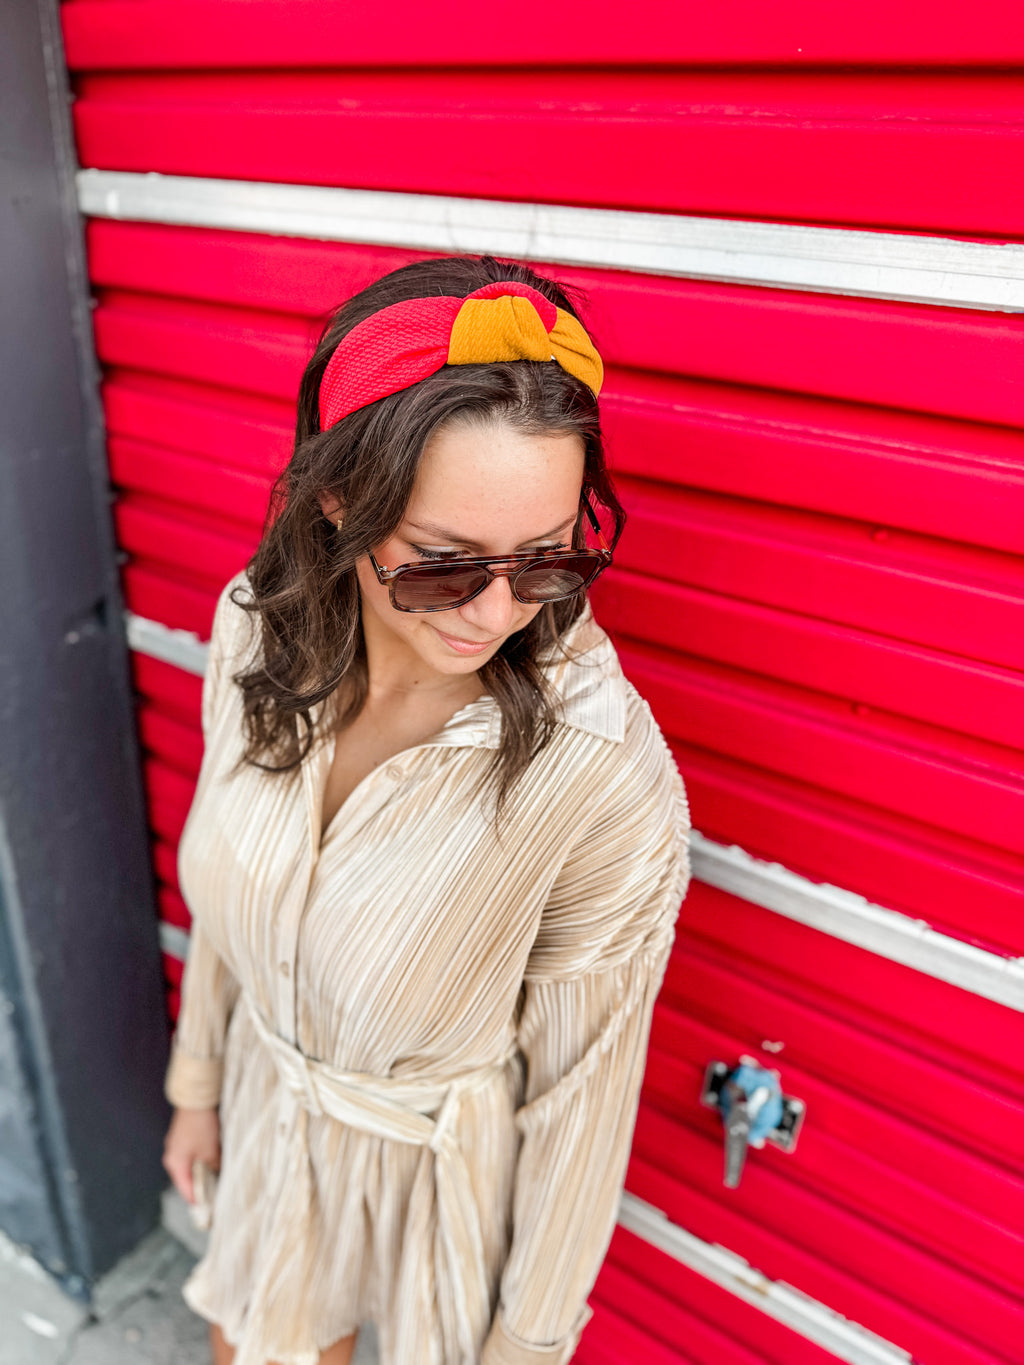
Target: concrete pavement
pixel 137 1317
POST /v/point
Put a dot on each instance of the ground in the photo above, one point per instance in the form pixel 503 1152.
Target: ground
pixel 137 1317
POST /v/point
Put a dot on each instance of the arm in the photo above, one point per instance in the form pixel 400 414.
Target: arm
pixel 209 991
pixel 594 973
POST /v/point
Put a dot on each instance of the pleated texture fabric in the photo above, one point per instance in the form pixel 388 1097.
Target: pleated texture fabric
pixel 426 1036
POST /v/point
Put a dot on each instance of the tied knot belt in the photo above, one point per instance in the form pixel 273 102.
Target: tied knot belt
pixel 402 1110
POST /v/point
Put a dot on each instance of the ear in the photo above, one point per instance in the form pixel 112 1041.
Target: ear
pixel 332 508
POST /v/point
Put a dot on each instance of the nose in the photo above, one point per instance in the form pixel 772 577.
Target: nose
pixel 493 612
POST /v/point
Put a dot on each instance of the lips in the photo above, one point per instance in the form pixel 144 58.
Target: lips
pixel 466 646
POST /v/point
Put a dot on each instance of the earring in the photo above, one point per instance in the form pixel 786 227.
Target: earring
pixel 339 523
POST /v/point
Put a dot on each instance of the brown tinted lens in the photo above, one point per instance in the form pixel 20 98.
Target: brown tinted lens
pixel 439 585
pixel 557 578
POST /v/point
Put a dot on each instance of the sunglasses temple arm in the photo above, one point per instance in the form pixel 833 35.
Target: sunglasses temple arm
pixel 594 522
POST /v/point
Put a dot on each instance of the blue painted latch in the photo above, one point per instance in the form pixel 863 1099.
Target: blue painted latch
pixel 754 1110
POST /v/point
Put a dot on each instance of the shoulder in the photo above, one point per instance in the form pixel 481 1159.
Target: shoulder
pixel 234 630
pixel 614 766
pixel 234 641
pixel 628 751
pixel 643 790
pixel 626 870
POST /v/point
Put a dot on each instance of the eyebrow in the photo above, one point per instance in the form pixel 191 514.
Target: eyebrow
pixel 450 538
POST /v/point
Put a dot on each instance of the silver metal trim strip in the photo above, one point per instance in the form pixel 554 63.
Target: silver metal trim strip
pixel 182 648
pixel 843 914
pixel 854 919
pixel 813 1320
pixel 887 265
pixel 173 940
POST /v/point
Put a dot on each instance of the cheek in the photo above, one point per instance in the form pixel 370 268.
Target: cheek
pixel 375 595
pixel 529 613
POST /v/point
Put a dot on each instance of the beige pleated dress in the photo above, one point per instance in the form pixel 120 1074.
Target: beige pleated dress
pixel 426 1038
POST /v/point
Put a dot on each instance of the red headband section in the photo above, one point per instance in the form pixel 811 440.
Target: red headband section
pixel 402 344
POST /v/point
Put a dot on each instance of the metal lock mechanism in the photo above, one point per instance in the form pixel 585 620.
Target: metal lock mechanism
pixel 754 1110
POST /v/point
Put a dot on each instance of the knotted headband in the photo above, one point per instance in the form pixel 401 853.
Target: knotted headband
pixel 405 342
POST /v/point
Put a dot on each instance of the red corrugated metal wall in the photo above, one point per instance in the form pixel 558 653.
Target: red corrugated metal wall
pixel 820 589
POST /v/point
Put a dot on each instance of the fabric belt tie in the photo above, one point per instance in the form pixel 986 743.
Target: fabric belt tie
pixel 387 1107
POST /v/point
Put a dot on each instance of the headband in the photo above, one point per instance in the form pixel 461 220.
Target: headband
pixel 405 342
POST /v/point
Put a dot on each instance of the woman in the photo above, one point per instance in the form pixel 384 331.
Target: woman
pixel 434 858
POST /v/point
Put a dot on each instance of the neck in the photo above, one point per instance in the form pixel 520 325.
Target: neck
pixel 398 676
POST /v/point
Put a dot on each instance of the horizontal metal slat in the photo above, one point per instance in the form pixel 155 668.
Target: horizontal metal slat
pixel 816 960
pixel 845 1339
pixel 895 355
pixel 174 913
pixel 956 480
pixel 866 671
pixel 169 686
pixel 168 797
pixel 969 891
pixel 900 355
pixel 165 737
pixel 165 864
pixel 179 540
pixel 856 1152
pixel 163 339
pixel 926 591
pixel 925 269
pixel 649 1315
pixel 800 737
pixel 241 431
pixel 179 602
pixel 112 35
pixel 889 1287
pixel 174 944
pixel 851 159
pixel 218 263
pixel 960 481
pixel 677 1282
pixel 172 479
pixel 869 1064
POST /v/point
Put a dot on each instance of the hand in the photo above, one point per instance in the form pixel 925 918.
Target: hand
pixel 194 1135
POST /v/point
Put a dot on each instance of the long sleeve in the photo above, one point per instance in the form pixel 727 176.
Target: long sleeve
pixel 593 975
pixel 209 991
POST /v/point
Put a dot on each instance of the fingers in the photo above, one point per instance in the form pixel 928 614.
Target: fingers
pixel 193 1136
pixel 179 1168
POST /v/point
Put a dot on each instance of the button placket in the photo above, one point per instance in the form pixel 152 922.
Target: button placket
pixel 295 902
pixel 287 950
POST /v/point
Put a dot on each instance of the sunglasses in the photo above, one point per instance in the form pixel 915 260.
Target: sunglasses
pixel 548 576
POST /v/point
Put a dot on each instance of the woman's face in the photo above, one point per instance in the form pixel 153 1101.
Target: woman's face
pixel 481 490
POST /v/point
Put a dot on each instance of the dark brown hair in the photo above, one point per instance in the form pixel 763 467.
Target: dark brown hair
pixel 304 586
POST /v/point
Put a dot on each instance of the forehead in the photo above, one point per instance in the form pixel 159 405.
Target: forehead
pixel 496 481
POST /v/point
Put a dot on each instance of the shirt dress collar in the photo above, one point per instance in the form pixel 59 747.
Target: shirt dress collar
pixel 589 685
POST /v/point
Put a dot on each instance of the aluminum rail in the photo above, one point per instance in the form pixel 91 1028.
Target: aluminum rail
pixel 885 265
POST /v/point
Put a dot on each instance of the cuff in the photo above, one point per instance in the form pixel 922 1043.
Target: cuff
pixel 503 1347
pixel 193 1082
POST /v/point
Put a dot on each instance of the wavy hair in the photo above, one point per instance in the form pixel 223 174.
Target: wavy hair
pixel 304 588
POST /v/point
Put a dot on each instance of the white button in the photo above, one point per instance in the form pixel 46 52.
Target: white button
pixel 284 969
pixel 393 770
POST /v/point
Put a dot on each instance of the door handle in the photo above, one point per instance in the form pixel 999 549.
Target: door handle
pixel 753 1108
